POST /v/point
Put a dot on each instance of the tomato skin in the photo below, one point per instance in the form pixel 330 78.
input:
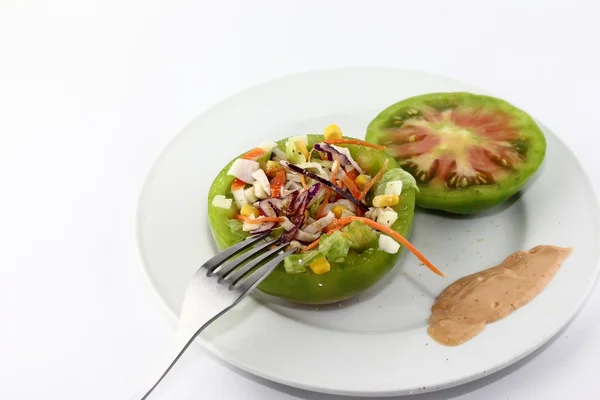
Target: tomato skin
pixel 357 273
pixel 493 120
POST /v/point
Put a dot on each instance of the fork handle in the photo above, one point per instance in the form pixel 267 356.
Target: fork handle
pixel 193 320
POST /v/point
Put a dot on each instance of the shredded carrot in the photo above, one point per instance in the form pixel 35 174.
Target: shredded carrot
pixel 277 183
pixel 254 154
pixel 312 245
pixel 340 223
pixel 237 184
pixel 324 204
pixel 259 220
pixel 351 185
pixel 333 226
pixel 353 174
pixel 355 141
pixel 374 180
pixel 303 181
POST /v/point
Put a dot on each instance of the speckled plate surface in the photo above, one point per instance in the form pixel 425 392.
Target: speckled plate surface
pixel 375 344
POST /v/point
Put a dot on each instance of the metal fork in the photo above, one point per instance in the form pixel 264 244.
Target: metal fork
pixel 217 286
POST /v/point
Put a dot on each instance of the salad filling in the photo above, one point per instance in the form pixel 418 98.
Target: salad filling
pixel 321 201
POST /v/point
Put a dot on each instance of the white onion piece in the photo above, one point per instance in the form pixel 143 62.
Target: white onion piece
pixel 320 224
pixel 259 191
pixel 306 236
pixel 250 196
pixel 239 197
pixel 261 178
pixel 243 169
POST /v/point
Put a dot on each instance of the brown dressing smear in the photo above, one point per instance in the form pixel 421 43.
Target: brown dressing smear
pixel 463 309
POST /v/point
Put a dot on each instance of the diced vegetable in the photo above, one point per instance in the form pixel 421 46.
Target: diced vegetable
pixel 254 154
pixel 319 224
pixel 347 213
pixel 250 196
pixel 248 210
pixel 313 165
pixel 259 191
pixel 341 153
pixel 312 245
pixel 221 202
pixel 321 210
pixel 334 246
pixel 351 185
pixel 337 210
pixel 332 132
pixel 271 168
pixel 304 236
pixel 386 200
pixel 297 263
pixel 262 179
pixel 388 244
pixel 243 169
pixel 389 231
pixel 393 187
pixel 260 220
pixel 375 179
pixel 348 205
pixel 301 146
pixel 234 224
pixel 277 183
pixel 362 181
pixel 387 217
pixel 396 174
pixel 352 173
pixel 239 197
pixel 325 182
pixel 361 235
pixel 346 152
pixel 248 224
pixel 320 266
pixel 287 224
pixel 295 149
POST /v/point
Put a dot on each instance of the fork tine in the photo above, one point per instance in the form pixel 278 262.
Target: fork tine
pixel 239 273
pixel 217 260
pixel 231 264
pixel 261 273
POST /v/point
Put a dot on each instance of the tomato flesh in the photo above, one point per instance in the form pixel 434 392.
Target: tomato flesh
pixel 467 152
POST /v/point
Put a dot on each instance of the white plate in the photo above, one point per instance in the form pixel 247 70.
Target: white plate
pixel 375 344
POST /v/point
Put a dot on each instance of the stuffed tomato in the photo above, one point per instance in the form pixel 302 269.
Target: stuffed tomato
pixel 344 205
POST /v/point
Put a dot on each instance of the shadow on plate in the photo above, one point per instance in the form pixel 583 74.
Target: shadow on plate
pixel 442 394
pixel 487 213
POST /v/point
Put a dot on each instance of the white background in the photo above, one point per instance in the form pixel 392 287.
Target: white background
pixel 90 93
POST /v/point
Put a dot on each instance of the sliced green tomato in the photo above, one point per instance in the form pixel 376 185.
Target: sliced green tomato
pixel 467 152
pixel 358 271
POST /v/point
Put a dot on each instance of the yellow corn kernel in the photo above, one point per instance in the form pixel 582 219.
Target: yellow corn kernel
pixel 248 210
pixel 332 132
pixel 362 181
pixel 337 211
pixel 301 148
pixel 385 200
pixel 320 266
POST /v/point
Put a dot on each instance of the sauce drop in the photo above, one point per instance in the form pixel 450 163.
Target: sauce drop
pixel 463 309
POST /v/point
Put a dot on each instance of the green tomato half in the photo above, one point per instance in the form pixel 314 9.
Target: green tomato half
pixel 356 273
pixel 467 152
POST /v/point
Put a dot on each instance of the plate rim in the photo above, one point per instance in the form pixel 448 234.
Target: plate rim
pixel 231 362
